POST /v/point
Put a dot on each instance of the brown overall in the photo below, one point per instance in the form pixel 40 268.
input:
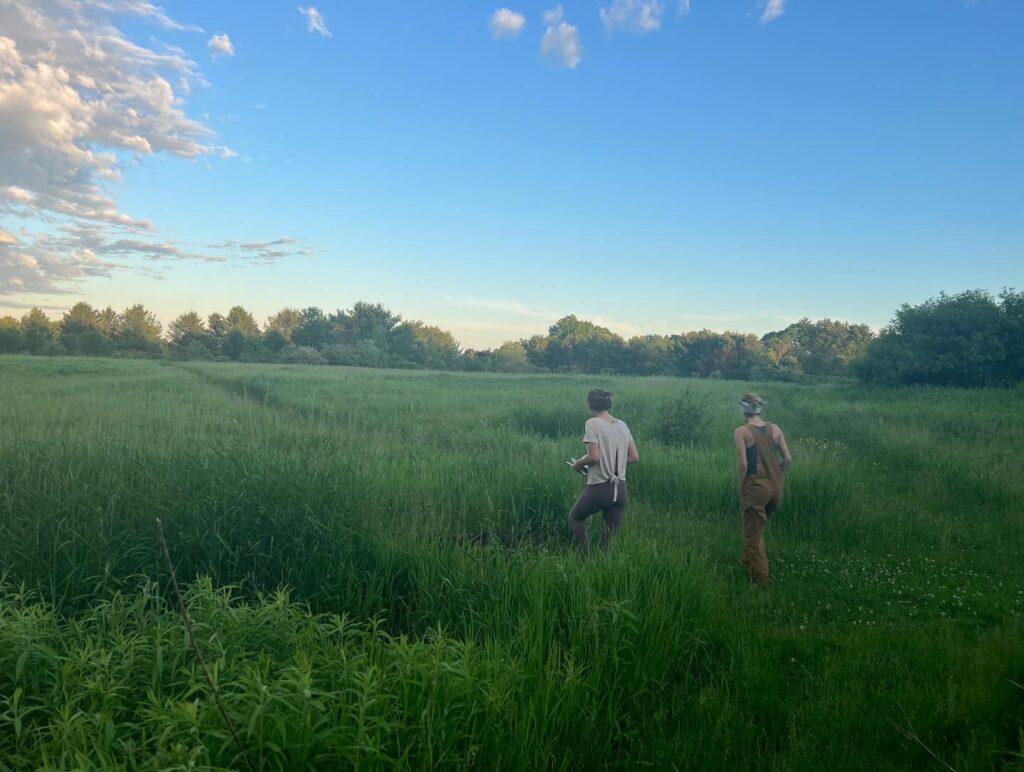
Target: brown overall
pixel 760 495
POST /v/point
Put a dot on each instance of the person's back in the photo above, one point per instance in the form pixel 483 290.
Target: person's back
pixel 762 458
pixel 610 447
pixel 612 437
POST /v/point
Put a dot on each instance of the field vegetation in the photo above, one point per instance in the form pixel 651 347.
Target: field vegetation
pixel 378 569
pixel 969 339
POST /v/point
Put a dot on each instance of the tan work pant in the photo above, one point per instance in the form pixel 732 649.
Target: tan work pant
pixel 757 500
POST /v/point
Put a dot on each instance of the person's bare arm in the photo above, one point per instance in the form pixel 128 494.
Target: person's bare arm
pixel 592 457
pixel 741 456
pixel 632 457
pixel 787 459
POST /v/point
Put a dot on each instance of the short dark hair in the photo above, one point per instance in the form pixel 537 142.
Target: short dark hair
pixel 599 399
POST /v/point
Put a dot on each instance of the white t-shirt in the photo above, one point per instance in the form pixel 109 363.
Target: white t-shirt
pixel 612 438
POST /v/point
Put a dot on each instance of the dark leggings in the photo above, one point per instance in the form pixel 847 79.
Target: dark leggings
pixel 598 498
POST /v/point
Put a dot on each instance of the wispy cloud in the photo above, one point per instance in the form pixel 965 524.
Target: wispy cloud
pixel 506 23
pixel 264 251
pixel 561 40
pixel 684 8
pixel 773 10
pixel 43 265
pixel 512 307
pixel 315 21
pixel 639 16
pixel 146 10
pixel 220 47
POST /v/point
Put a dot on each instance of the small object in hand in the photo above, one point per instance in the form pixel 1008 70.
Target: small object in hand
pixel 572 462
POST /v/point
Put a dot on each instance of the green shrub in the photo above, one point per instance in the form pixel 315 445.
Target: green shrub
pixel 301 355
pixel 687 420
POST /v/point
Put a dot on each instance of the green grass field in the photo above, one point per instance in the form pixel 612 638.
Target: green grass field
pixel 328 522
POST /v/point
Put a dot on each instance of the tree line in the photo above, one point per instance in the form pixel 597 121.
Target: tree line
pixel 968 339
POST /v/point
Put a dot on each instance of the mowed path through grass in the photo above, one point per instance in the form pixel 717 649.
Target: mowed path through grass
pixel 891 637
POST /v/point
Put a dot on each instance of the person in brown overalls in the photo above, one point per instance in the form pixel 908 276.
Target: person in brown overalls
pixel 761 460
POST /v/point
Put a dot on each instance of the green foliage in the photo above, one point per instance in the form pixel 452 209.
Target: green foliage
pixel 822 348
pixel 197 351
pixel 550 421
pixel 274 341
pixel 510 357
pixel 575 345
pixel 106 321
pixel 80 318
pixel 218 327
pixel 407 642
pixel 369 322
pixel 138 330
pixel 424 345
pixel 687 419
pixel 968 339
pixel 12 339
pixel 284 322
pixel 301 355
pixel 188 330
pixel 91 344
pixel 37 330
pixel 238 345
pixel 81 333
pixel 242 321
pixel 952 340
pixel 314 329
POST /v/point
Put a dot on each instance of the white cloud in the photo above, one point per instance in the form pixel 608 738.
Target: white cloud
pixel 220 47
pixel 78 101
pixel 315 21
pixel 506 23
pixel 773 10
pixel 75 96
pixel 684 8
pixel 561 40
pixel 142 8
pixel 640 16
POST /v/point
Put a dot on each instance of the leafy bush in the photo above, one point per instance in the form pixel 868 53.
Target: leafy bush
pixel 687 419
pixel 302 355
pixel 198 352
pixel 53 348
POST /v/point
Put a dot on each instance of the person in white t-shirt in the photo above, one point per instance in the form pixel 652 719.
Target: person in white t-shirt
pixel 610 447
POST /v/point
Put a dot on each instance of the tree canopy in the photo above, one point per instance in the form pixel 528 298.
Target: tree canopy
pixel 967 339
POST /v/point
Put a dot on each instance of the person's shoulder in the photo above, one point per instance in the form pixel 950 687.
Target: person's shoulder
pixel 739 430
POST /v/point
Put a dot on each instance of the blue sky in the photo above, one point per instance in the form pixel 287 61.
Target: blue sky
pixel 732 167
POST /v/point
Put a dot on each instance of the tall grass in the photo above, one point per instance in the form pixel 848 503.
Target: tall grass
pixel 434 614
